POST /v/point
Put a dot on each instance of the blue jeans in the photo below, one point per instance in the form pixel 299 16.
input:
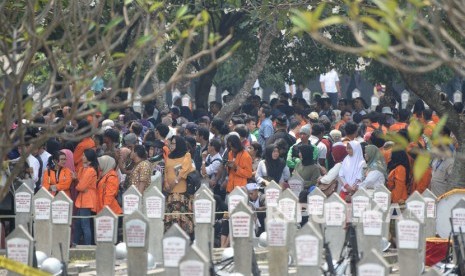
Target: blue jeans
pixel 82 227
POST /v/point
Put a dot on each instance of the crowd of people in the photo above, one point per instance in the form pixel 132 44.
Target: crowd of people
pixel 336 148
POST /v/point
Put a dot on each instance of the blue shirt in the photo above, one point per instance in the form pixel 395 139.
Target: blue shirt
pixel 265 132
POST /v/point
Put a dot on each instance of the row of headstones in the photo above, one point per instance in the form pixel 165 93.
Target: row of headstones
pixel 369 213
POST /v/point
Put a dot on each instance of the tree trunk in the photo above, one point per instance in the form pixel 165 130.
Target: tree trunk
pixel 255 71
pixel 202 89
pixel 426 91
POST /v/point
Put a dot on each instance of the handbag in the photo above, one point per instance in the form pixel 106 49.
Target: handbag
pixel 328 189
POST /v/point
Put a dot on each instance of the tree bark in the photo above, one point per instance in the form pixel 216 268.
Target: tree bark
pixel 427 92
pixel 255 71
pixel 202 89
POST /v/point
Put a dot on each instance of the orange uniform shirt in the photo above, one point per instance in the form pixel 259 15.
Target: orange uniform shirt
pixel 239 176
pixel 62 183
pixel 86 143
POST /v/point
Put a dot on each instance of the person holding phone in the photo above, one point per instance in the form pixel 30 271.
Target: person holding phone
pixel 57 177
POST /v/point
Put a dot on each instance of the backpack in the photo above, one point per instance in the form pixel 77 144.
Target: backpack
pixel 193 181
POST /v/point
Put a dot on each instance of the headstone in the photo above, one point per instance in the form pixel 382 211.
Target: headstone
pixel 62 210
pixel 23 202
pixel 174 94
pixel 370 231
pixel 360 202
pixel 212 94
pixel 154 210
pixel 132 200
pixel 259 92
pixel 241 229
pixel 404 97
pixel 272 194
pixel 430 219
pixel 457 96
pixel 416 203
pixel 106 231
pixel 382 197
pixel 355 93
pixel 308 248
pixel 335 219
pixel 277 236
pixel 42 206
pixel 19 247
pixel 204 218
pixel 155 180
pixel 373 264
pixel 136 231
pixel 237 195
pixel 274 95
pixel 288 204
pixel 410 243
pixel 307 95
pixel 194 263
pixel 458 218
pixel 315 205
pixel 186 100
pixel 296 185
pixel 374 102
pixel 432 272
pixel 175 244
pixel 225 92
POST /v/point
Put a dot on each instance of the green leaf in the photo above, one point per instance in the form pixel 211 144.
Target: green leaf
pixel 28 105
pixel 333 20
pixel 103 107
pixel 421 165
pixel 381 37
pixel 89 95
pixel 141 41
pixel 439 126
pixel 127 2
pixel 319 10
pixel 2 104
pixel 398 139
pixel 414 130
pixel 181 12
pixel 113 115
pixel 155 6
pixel 113 23
pixel 185 34
pixel 118 55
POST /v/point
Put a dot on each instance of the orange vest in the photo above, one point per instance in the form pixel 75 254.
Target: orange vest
pixel 87 188
pixel 239 176
pixel 107 190
pixel 86 143
pixel 62 184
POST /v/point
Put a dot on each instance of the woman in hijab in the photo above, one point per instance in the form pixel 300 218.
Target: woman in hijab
pixel 57 177
pixel 351 172
pixel 339 152
pixel 398 178
pixel 178 166
pixel 375 172
pixel 108 185
pixel 308 168
pixel 272 167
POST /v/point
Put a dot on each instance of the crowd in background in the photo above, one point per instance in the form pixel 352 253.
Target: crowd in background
pixel 336 148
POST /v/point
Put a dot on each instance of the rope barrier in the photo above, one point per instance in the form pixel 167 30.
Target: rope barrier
pixel 20 268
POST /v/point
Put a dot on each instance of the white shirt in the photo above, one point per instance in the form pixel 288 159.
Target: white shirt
pixel 215 162
pixel 35 165
pixel 329 79
pixel 331 174
pixel 261 173
pixel 44 157
pixel 373 179
pixel 322 149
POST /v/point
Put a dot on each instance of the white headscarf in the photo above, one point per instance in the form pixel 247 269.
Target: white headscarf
pixel 352 166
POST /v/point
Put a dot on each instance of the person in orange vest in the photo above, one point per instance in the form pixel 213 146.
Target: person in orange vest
pixel 86 201
pixel 404 116
pixel 371 121
pixel 346 116
pixel 398 177
pixel 430 124
pixel 87 142
pixel 239 164
pixel 57 177
pixel 108 185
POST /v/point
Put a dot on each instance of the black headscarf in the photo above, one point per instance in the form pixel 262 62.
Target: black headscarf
pixel 307 155
pixel 399 158
pixel 274 168
pixel 181 147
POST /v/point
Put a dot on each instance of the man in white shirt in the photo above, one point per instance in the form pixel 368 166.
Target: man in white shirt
pixel 330 86
pixel 213 162
pixel 44 155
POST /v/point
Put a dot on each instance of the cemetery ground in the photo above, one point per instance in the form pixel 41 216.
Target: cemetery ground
pixel 355 231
